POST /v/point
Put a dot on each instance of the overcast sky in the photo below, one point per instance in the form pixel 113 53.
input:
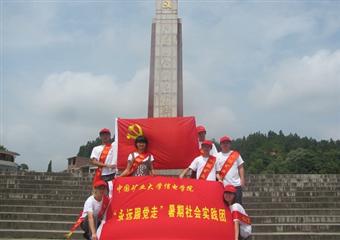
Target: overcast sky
pixel 68 68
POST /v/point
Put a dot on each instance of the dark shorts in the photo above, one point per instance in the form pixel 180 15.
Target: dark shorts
pixel 108 178
pixel 238 198
pixel 86 228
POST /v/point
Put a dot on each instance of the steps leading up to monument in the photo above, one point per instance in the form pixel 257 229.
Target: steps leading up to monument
pixel 283 207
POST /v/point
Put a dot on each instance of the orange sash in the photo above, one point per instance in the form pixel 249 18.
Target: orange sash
pixel 102 159
pixel 137 161
pixel 229 163
pixel 207 168
pixel 243 218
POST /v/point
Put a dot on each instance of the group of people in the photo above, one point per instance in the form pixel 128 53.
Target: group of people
pixel 226 166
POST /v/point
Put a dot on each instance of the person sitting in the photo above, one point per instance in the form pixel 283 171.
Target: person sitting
pixel 94 209
pixel 140 162
pixel 204 165
pixel 242 222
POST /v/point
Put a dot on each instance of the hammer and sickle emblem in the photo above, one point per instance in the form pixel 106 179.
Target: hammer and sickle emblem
pixel 134 131
pixel 167 4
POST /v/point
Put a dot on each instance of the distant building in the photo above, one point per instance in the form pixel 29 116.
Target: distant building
pixel 7 161
pixel 80 166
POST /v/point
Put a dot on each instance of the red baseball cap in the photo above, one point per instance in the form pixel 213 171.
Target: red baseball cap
pixel 105 130
pixel 99 183
pixel 230 188
pixel 207 142
pixel 200 129
pixel 225 139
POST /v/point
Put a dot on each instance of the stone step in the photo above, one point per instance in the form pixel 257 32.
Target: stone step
pixel 255 194
pixel 39 202
pixel 295 236
pixel 71 182
pixel 284 205
pixel 290 199
pixel 41 209
pixel 297 227
pixel 23 173
pixel 37 196
pixel 47 191
pixel 292 189
pixel 4 178
pixel 38 216
pixel 47 186
pixel 45 225
pixel 37 234
pixel 293 211
pixel 270 219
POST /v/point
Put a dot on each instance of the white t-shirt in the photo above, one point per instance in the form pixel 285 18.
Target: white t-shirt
pixel 213 150
pixel 92 205
pixel 110 159
pixel 135 154
pixel 245 229
pixel 233 176
pixel 198 166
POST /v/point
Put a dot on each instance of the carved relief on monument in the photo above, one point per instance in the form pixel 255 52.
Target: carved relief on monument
pixel 166 62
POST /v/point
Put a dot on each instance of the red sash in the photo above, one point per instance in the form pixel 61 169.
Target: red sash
pixel 105 204
pixel 229 163
pixel 207 168
pixel 243 218
pixel 102 159
pixel 137 161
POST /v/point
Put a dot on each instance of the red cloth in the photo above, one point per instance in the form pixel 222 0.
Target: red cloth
pixel 167 208
pixel 172 141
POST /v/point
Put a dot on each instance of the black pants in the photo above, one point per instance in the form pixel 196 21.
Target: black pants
pixel 238 195
pixel 86 227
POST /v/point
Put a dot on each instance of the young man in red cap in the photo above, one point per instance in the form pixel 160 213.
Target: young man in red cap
pixel 103 157
pixel 204 165
pixel 202 132
pixel 242 222
pixel 94 209
pixel 230 167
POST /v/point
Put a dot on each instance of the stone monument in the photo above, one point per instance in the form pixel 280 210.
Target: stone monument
pixel 166 76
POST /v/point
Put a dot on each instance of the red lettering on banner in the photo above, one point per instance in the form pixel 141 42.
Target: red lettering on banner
pixel 139 203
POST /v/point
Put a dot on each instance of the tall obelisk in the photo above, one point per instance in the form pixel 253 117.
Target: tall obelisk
pixel 166 76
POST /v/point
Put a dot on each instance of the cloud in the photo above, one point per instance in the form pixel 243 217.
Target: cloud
pixel 311 83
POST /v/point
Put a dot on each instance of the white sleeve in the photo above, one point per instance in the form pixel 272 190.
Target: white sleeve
pixel 95 153
pixel 130 157
pixel 152 158
pixel 194 164
pixel 239 161
pixel 88 205
pixel 219 163
pixel 214 151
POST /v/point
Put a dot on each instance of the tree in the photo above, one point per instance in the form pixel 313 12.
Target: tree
pixel 49 167
pixel 2 148
pixel 23 167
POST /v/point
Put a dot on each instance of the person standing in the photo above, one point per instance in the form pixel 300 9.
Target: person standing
pixel 204 165
pixel 102 156
pixel 242 222
pixel 202 132
pixel 230 167
pixel 140 162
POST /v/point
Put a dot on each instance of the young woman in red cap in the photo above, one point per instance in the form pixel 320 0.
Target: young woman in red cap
pixel 94 209
pixel 140 161
pixel 242 222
